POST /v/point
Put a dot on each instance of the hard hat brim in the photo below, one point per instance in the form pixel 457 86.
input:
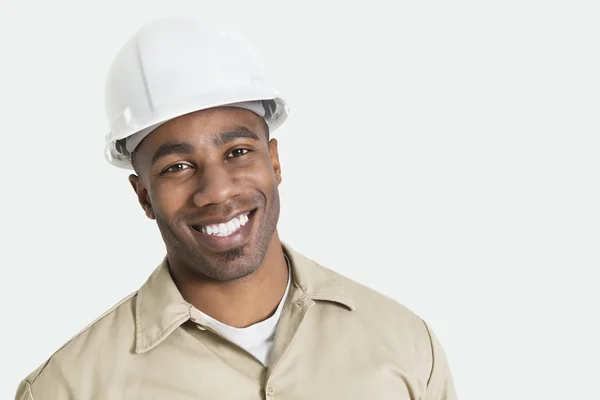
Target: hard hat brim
pixel 276 114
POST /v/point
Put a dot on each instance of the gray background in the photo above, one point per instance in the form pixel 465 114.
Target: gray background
pixel 443 153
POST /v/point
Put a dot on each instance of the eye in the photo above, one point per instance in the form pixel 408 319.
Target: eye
pixel 237 153
pixel 177 167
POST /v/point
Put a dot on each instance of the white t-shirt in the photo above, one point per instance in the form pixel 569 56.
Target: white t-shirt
pixel 256 339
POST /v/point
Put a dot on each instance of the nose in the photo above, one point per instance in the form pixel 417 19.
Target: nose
pixel 215 186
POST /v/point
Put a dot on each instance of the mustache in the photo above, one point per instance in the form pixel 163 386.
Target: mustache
pixel 230 207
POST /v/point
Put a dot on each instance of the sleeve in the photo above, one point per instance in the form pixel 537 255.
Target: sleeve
pixel 440 385
pixel 24 391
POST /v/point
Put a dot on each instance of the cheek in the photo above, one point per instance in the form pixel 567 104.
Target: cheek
pixel 256 171
pixel 261 175
pixel 167 200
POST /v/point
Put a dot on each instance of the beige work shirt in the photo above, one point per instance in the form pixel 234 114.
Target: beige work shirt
pixel 336 339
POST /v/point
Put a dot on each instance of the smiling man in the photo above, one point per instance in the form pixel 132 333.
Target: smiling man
pixel 210 179
pixel 231 312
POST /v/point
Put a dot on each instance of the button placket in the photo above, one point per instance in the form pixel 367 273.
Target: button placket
pixel 270 392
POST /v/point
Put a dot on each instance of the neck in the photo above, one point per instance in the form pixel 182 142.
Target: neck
pixel 245 301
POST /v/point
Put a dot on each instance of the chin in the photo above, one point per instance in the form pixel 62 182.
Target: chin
pixel 230 265
pixel 228 272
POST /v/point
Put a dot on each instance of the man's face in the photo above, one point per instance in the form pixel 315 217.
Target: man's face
pixel 210 179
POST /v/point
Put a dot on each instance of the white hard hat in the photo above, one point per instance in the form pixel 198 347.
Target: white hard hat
pixel 174 66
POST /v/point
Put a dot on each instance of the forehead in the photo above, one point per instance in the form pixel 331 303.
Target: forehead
pixel 201 127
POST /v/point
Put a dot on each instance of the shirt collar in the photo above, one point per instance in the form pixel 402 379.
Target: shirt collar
pixel 160 308
pixel 316 281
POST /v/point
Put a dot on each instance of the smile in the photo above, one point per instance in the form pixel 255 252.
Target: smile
pixel 226 228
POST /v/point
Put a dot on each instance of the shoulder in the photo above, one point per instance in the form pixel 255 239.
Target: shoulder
pixel 370 307
pixel 387 322
pixel 324 281
pixel 111 330
pixel 380 310
pixel 393 334
pixel 374 317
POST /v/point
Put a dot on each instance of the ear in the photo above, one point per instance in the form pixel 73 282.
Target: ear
pixel 274 155
pixel 142 195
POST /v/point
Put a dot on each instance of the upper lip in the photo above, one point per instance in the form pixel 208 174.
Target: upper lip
pixel 215 220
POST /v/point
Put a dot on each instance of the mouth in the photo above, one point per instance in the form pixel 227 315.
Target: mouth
pixel 225 228
pixel 226 234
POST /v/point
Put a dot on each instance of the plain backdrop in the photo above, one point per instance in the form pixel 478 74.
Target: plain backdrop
pixel 443 153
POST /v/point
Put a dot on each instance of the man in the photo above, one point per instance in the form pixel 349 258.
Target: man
pixel 231 312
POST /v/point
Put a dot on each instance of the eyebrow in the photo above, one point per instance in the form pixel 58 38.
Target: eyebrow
pixel 239 132
pixel 218 139
pixel 171 148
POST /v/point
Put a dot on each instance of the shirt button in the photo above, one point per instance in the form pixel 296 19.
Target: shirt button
pixel 270 392
pixel 300 303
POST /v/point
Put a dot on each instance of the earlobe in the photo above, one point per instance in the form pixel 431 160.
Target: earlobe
pixel 149 212
pixel 142 195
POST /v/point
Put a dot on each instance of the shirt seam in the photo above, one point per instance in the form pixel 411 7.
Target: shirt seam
pixel 81 332
pixel 432 353
pixel 28 393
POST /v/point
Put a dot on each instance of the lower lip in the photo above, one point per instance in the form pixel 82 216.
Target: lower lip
pixel 223 243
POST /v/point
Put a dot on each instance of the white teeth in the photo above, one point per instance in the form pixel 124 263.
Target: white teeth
pixel 226 228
